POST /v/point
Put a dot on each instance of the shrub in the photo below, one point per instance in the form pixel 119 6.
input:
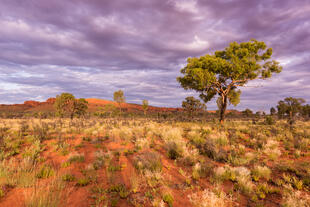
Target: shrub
pixel 208 198
pixel 113 168
pixel 45 172
pixel 201 170
pixel 83 182
pixel 40 131
pixel 168 198
pixel 296 199
pixel 68 177
pixel 76 158
pixel 46 195
pixel 261 172
pixel 120 189
pixel 149 160
pixel 269 120
pixel 175 149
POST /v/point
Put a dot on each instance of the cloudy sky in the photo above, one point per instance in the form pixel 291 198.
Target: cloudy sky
pixel 95 47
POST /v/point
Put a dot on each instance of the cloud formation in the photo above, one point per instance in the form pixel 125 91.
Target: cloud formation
pixel 92 48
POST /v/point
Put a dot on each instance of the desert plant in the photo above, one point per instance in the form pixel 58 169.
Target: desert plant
pixel 45 171
pixel 261 172
pixel 168 198
pixel 46 195
pixel 208 198
pixel 76 157
pixel 148 161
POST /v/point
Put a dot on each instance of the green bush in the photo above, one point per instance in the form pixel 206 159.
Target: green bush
pixel 168 198
pixel 45 172
pixel 68 177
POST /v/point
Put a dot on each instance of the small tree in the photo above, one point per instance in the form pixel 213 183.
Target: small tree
pixel 110 109
pixel 247 112
pixel 272 111
pixel 306 111
pixel 192 106
pixel 224 71
pixel 145 106
pixel 66 105
pixel 290 107
pixel 119 97
pixel 81 106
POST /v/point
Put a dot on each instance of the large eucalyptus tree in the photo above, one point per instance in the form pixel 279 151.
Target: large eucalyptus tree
pixel 223 72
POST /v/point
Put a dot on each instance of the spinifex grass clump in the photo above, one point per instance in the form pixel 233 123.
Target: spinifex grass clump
pixel 149 161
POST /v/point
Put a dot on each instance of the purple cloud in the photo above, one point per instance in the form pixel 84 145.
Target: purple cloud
pixel 92 48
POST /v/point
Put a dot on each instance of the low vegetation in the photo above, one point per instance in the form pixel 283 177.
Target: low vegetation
pixel 112 162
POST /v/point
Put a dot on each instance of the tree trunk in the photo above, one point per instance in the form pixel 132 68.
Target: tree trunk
pixel 120 110
pixel 223 109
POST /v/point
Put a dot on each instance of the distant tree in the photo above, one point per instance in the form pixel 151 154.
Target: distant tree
pixel 272 111
pixel 192 105
pixel 119 98
pixel 145 106
pixel 259 114
pixel 247 112
pixel 306 111
pixel 66 105
pixel 290 107
pixel 224 71
pixel 110 109
pixel 81 106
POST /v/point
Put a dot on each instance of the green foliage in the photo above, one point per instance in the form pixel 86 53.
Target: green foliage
pixel 113 168
pixel 269 120
pixel 290 107
pixel 145 106
pixel 108 109
pixel 224 71
pixel 120 189
pixel 174 149
pixel 33 152
pixel 247 112
pixel 1 192
pixel 66 105
pixel 272 111
pixel 76 158
pixel 40 131
pixel 45 172
pixel 119 97
pixel 80 107
pixel 83 182
pixel 306 111
pixel 192 105
pixel 168 198
pixel 68 177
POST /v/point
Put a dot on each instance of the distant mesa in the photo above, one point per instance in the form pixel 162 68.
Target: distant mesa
pixel 32 103
pixel 51 100
pixel 94 105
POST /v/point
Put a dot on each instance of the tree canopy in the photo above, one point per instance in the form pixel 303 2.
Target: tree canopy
pixel 192 105
pixel 145 106
pixel 66 105
pixel 224 71
pixel 119 97
pixel 290 107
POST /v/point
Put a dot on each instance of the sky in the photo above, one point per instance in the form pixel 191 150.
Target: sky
pixel 91 48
